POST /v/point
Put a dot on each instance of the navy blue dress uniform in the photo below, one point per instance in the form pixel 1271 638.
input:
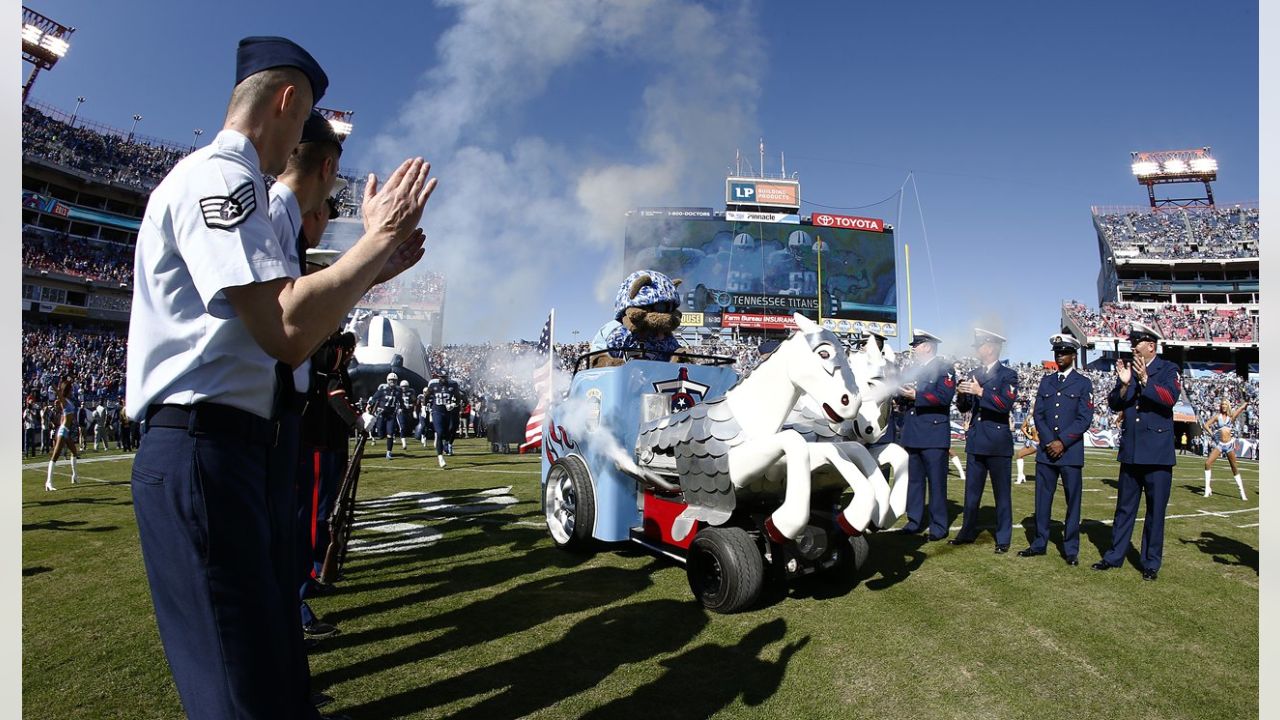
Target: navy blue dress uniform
pixel 926 436
pixel 1146 454
pixel 1063 413
pixel 216 529
pixel 989 445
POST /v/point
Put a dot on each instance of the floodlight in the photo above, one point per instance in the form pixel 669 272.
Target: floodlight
pixel 55 45
pixel 31 34
pixel 1145 167
pixel 341 127
pixel 1175 165
pixel 1204 165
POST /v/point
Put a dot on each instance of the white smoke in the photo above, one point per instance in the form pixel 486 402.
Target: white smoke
pixel 516 213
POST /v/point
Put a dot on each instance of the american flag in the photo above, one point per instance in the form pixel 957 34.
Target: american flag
pixel 542 388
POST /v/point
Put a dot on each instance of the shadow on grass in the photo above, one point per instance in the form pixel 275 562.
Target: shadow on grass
pixel 72 525
pixel 1225 550
pixel 452 580
pixel 80 500
pixel 512 611
pixel 892 558
pixel 1197 489
pixel 1098 533
pixel 738 671
pixel 585 656
pixel 35 570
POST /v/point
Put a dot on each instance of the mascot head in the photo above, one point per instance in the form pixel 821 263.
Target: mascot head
pixel 648 304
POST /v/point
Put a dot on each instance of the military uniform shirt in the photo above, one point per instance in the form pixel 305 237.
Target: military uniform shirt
pixel 286 220
pixel 206 228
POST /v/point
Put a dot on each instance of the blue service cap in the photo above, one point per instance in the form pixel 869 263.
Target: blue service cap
pixel 259 53
pixel 317 128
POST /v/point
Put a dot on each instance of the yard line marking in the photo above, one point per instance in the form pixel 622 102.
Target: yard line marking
pixel 1215 514
pixel 1248 526
pixel 79 461
pixel 1092 489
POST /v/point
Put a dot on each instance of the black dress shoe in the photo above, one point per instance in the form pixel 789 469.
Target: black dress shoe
pixel 911 531
pixel 1002 549
pixel 1102 565
pixel 1072 561
pixel 1149 574
pixel 933 538
pixel 960 541
pixel 1028 552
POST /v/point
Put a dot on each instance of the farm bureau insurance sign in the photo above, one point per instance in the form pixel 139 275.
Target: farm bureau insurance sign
pixel 851 222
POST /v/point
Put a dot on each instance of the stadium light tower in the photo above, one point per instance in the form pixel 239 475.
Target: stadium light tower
pixel 133 127
pixel 1161 167
pixel 44 43
pixel 195 137
pixel 75 113
pixel 339 119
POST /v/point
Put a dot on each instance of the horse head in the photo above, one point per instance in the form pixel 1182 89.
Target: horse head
pixel 818 368
pixel 870 369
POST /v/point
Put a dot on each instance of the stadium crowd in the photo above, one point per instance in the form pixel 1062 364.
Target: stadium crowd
pixel 1180 322
pixel 74 255
pixel 1184 233
pixel 103 155
pixel 424 290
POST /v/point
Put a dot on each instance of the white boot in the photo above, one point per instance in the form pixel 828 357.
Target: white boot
pixel 1240 484
pixel 74 478
pixel 404 444
pixel 440 459
pixel 1022 474
pixel 1208 479
pixel 48 478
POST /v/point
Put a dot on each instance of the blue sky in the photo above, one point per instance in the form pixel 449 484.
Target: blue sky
pixel 546 120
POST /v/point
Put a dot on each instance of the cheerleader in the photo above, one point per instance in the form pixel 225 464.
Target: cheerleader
pixel 65 437
pixel 1219 428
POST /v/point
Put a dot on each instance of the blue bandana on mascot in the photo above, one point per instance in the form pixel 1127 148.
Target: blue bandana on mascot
pixel 646 313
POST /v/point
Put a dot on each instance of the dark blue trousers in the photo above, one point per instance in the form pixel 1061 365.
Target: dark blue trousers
pixel 319 472
pixel 927 467
pixel 1047 477
pixel 1154 481
pixel 216 527
pixel 976 471
pixel 440 425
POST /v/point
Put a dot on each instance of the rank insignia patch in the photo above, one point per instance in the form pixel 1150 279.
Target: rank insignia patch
pixel 223 212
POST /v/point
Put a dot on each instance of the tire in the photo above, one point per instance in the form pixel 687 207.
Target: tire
pixel 569 504
pixel 860 550
pixel 725 569
pixel 854 552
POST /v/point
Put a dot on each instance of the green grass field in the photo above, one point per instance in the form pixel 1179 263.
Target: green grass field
pixel 463 608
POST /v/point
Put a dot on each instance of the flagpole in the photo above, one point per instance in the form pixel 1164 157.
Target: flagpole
pixel 551 351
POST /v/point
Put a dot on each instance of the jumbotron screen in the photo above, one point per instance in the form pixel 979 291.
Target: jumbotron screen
pixel 735 270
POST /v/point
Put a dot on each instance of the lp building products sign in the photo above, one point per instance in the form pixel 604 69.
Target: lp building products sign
pixel 773 193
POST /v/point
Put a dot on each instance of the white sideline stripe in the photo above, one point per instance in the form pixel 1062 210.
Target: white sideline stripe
pixel 79 477
pixel 1210 512
pixel 1249 525
pixel 81 461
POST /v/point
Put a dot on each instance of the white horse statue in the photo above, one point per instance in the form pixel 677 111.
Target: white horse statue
pixel 875 500
pixel 737 442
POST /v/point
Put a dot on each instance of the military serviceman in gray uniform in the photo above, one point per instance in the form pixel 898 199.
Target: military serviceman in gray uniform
pixel 1145 391
pixel 214 308
pixel 1063 414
